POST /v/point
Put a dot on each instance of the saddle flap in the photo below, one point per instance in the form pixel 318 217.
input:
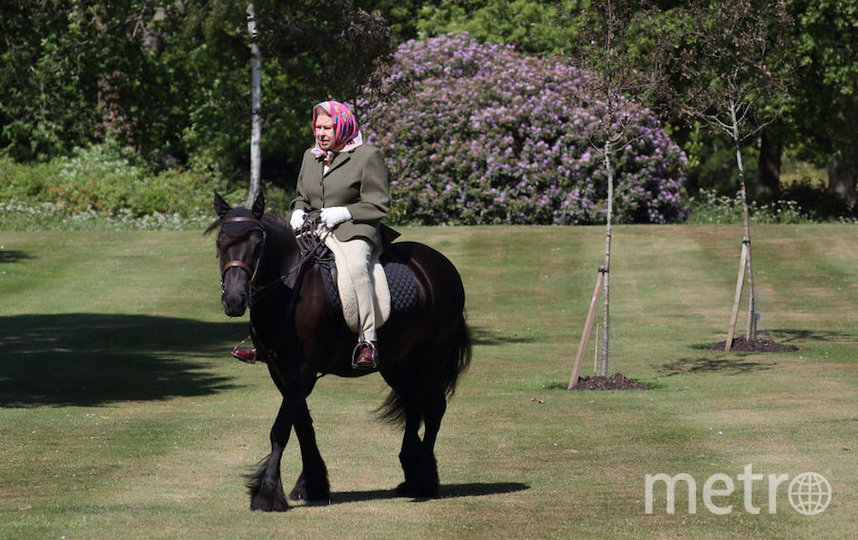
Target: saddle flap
pixel 400 288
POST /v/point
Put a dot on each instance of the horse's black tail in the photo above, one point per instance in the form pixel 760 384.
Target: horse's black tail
pixel 459 358
pixel 455 363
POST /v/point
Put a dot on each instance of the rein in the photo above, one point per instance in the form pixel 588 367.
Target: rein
pixel 310 245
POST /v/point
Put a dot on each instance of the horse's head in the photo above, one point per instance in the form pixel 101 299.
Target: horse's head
pixel 240 243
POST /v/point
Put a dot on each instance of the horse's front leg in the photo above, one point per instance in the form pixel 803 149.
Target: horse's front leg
pixel 312 485
pixel 265 486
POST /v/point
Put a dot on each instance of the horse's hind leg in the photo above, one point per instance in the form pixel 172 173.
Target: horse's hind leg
pixel 409 455
pixel 418 456
pixel 265 486
pixel 435 409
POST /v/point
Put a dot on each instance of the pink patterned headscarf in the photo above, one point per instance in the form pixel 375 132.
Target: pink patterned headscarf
pixel 347 134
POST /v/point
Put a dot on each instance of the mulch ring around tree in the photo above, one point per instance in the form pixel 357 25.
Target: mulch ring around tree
pixel 741 344
pixel 617 381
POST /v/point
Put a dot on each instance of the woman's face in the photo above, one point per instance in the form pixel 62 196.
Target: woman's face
pixel 324 130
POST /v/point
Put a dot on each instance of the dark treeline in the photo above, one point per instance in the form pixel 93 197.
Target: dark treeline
pixel 170 80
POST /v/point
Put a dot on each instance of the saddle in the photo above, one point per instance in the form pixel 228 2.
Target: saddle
pixel 394 285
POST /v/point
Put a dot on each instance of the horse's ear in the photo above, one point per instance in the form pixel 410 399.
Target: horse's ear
pixel 259 206
pixel 221 207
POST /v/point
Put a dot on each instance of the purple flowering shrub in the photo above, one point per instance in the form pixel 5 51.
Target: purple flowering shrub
pixel 489 136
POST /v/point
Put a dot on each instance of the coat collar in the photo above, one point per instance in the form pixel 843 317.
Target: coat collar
pixel 339 160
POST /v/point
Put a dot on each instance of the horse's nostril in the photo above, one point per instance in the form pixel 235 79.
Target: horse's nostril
pixel 234 303
pixel 232 310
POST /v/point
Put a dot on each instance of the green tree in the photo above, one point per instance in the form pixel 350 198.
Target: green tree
pixel 171 80
pixel 401 15
pixel 534 26
pixel 824 106
pixel 622 81
pixel 312 52
pixel 76 72
pixel 734 59
pixel 821 106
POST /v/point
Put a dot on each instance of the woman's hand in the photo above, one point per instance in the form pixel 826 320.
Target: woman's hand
pixel 297 219
pixel 335 215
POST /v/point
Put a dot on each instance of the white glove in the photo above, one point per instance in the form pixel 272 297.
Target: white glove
pixel 297 219
pixel 335 215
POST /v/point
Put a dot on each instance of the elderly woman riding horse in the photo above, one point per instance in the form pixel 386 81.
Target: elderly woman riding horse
pixel 302 336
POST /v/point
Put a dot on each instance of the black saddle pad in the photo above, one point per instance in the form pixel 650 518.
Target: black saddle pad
pixel 400 281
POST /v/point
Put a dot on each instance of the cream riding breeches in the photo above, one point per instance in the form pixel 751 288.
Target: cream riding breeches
pixel 358 252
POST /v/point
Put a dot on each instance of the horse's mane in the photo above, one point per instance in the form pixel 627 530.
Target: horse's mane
pixel 276 220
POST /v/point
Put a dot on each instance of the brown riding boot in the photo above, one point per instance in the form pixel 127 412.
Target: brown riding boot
pixel 245 355
pixel 365 355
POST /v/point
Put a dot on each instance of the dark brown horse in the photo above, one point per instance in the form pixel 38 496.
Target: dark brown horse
pixel 301 336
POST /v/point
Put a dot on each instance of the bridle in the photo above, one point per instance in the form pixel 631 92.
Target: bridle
pixel 310 246
pixel 251 272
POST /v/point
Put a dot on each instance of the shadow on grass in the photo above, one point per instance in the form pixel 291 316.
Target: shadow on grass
pixel 730 366
pixel 449 491
pixel 91 359
pixel 13 255
pixel 490 337
pixel 795 336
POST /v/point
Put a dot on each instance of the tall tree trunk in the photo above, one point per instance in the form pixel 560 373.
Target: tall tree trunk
pixel 843 166
pixel 256 107
pixel 769 167
pixel 603 371
pixel 842 177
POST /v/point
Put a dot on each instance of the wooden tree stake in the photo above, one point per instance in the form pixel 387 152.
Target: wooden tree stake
pixel 740 280
pixel 588 327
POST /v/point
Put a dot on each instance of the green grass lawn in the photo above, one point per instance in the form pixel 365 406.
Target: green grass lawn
pixel 122 414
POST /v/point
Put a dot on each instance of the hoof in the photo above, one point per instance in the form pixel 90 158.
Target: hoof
pixel 315 493
pixel 317 499
pixel 406 489
pixel 276 506
pixel 275 502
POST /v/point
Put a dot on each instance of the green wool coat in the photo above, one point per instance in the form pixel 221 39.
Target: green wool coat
pixel 358 180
